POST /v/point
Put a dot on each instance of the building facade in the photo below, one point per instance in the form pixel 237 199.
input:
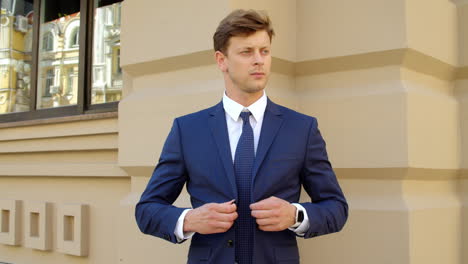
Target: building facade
pixel 387 81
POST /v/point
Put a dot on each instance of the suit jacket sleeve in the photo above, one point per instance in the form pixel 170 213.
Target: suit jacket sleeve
pixel 328 210
pixel 155 214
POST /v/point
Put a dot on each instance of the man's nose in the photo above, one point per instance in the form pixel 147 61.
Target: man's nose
pixel 258 58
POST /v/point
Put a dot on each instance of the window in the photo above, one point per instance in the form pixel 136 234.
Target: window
pixel 48 42
pixel 74 37
pixel 49 82
pixel 59 58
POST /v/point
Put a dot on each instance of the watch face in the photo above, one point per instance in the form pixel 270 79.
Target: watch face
pixel 300 216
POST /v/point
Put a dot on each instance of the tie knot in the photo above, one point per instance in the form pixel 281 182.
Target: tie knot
pixel 245 117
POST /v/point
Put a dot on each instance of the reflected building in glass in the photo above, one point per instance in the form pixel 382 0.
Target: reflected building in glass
pixel 58 62
pixel 15 55
pixel 59 59
pixel 106 73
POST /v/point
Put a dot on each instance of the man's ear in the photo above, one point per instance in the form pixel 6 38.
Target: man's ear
pixel 221 61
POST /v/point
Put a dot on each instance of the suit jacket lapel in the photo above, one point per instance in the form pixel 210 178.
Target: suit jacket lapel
pixel 218 128
pixel 272 121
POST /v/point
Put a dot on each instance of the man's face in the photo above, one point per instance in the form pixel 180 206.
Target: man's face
pixel 247 63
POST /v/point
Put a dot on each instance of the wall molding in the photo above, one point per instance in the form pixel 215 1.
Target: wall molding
pixel 464 174
pixel 55 120
pixel 191 60
pixel 462 73
pixel 406 57
pixel 350 62
pixel 401 173
pixel 357 173
pixel 62 169
pixel 460 2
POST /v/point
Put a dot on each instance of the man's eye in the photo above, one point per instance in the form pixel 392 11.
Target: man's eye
pixel 245 52
pixel 266 52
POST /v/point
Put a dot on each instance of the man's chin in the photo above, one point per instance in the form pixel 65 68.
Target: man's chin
pixel 256 88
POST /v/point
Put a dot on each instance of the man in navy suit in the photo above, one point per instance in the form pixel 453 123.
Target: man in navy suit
pixel 243 161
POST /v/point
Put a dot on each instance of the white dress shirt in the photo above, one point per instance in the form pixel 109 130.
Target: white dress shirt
pixel 234 126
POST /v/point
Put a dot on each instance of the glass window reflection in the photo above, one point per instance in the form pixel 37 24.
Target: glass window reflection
pixel 106 73
pixel 16 30
pixel 58 53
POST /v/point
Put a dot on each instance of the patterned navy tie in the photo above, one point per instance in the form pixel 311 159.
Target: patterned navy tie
pixel 243 166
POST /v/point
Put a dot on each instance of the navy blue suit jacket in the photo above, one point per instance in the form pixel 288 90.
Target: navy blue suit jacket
pixel 291 153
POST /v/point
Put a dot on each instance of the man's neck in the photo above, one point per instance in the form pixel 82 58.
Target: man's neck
pixel 245 99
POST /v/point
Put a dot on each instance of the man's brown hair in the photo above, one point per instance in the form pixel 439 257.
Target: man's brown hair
pixel 240 23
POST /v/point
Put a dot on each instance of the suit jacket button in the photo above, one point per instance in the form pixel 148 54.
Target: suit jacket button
pixel 167 237
pixel 230 243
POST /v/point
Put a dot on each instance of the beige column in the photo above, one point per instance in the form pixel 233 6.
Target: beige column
pixel 462 96
pixel 380 81
pixel 169 72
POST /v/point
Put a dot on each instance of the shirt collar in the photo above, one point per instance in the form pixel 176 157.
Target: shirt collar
pixel 233 108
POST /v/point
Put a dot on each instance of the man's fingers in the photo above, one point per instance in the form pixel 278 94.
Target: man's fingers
pixel 225 217
pixel 233 216
pixel 211 218
pixel 267 221
pixel 261 205
pixel 226 208
pixel 229 202
pixel 224 226
pixel 266 204
pixel 262 213
pixel 221 225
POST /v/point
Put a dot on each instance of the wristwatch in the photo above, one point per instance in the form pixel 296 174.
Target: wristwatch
pixel 299 218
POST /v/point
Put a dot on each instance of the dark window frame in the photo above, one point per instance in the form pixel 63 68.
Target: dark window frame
pixel 83 106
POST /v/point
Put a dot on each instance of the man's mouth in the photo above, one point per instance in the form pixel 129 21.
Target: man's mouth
pixel 257 74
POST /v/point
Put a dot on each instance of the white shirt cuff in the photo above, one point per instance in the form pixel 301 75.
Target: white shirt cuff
pixel 304 226
pixel 179 228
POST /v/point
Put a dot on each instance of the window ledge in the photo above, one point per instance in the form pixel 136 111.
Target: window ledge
pixel 62 119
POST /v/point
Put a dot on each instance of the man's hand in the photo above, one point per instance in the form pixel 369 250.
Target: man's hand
pixel 211 218
pixel 273 214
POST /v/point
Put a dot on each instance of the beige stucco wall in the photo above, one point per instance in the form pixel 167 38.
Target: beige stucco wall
pixel 341 101
pixel 462 13
pixel 364 239
pixel 338 28
pixel 461 91
pixel 62 164
pixel 462 95
pixel 380 84
pixel 441 18
pixel 463 190
pixel 102 195
pixel 461 85
pixel 433 122
pixel 161 29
